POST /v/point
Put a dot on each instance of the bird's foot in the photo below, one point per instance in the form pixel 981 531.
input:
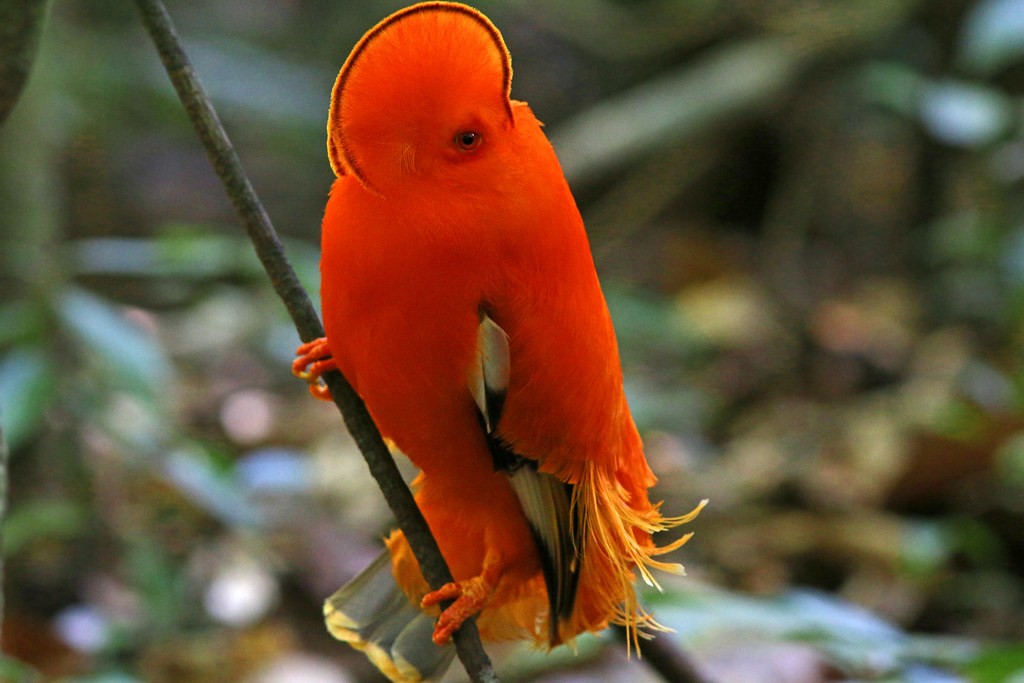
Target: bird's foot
pixel 470 596
pixel 313 360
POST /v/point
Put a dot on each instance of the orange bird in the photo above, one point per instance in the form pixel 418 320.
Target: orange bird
pixel 461 302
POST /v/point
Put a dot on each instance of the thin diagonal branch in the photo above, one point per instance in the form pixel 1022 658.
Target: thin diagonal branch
pixel 271 254
pixel 671 662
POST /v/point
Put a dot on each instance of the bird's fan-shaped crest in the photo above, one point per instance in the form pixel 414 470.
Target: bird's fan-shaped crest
pixel 410 70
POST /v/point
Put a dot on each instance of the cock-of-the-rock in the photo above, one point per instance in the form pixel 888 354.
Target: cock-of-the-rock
pixel 461 302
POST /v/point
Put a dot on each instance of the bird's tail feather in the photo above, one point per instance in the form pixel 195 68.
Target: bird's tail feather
pixel 373 615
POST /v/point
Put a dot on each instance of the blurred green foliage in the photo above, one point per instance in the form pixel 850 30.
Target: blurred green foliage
pixel 809 222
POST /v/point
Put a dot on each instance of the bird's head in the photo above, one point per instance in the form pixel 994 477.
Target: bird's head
pixel 423 94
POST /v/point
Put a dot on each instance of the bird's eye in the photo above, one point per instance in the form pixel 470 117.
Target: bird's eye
pixel 468 140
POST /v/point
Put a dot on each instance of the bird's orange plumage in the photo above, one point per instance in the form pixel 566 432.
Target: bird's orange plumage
pixel 450 207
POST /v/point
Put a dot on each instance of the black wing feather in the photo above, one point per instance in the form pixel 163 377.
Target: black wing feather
pixel 546 500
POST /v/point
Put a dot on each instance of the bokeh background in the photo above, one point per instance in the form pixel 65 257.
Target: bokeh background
pixel 808 219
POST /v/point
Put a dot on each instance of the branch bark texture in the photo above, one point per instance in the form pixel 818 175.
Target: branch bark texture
pixel 271 254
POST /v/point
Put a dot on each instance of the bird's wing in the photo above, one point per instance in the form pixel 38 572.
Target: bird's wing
pixel 372 614
pixel 546 500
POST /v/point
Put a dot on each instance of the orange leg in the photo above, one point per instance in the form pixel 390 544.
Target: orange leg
pixel 314 359
pixel 470 597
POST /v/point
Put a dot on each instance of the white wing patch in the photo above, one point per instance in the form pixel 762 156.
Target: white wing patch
pixel 489 377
